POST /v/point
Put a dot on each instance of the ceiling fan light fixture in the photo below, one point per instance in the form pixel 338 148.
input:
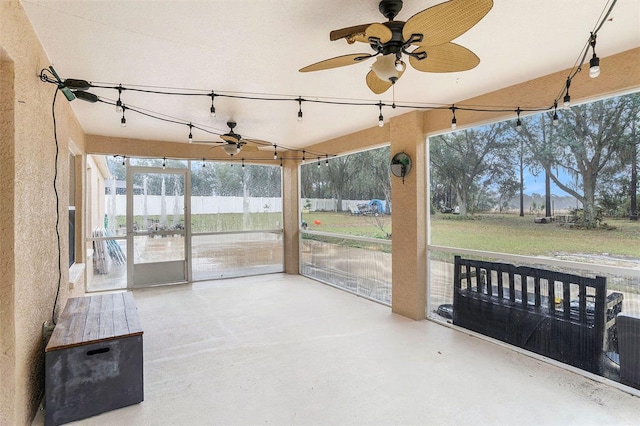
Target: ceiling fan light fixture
pixel 400 65
pixel 231 149
pixel 385 67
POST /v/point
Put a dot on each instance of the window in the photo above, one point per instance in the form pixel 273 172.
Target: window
pixel 346 222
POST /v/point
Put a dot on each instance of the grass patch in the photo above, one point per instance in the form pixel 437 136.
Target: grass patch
pixel 520 235
pixel 502 233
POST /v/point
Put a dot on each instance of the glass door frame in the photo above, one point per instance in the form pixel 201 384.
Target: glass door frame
pixel 131 233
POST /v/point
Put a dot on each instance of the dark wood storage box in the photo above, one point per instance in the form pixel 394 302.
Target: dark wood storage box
pixel 93 361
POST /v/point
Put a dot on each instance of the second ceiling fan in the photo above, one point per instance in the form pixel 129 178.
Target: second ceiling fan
pixel 425 38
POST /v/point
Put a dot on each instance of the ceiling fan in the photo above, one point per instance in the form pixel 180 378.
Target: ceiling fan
pixel 235 142
pixel 425 38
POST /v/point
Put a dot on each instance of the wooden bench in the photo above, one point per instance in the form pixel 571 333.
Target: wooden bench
pixel 562 316
pixel 93 361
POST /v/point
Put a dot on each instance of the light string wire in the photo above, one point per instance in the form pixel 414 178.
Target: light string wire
pixel 577 67
pixel 55 191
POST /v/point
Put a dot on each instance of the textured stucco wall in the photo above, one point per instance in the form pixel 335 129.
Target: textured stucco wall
pixel 408 219
pixel 7 334
pixel 32 262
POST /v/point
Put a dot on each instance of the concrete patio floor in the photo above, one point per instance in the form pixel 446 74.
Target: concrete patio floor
pixel 282 349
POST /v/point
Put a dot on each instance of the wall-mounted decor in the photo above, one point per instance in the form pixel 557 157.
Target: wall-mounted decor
pixel 401 165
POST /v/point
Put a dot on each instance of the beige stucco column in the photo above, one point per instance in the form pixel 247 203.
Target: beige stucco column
pixel 290 217
pixel 409 219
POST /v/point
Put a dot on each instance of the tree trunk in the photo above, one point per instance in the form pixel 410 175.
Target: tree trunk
pixel 547 195
pixel 521 185
pixel 633 187
pixel 589 204
pixel 462 201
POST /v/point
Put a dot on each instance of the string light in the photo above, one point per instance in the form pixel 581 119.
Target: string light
pixel 326 161
pixel 318 162
pixel 275 151
pixel 213 108
pixel 555 120
pixel 280 162
pixel 567 98
pixel 454 122
pixel 518 122
pixel 164 162
pixel 190 135
pixel 204 164
pixel 303 152
pixel 594 63
pixel 593 72
pixel 124 157
pixel 243 163
pixel 119 102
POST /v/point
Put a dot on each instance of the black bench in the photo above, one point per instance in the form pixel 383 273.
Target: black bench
pixel 562 316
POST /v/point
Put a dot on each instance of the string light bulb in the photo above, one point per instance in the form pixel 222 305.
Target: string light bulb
pixel 303 152
pixel 119 101
pixel 204 164
pixel 555 120
pixel 123 121
pixel 190 134
pixel 299 109
pixel 594 63
pixel 454 122
pixel 518 122
pixel 380 117
pixel 124 157
pixel 280 162
pixel 164 162
pixel 275 152
pixel 318 162
pixel 326 161
pixel 213 108
pixel 567 97
pixel 243 163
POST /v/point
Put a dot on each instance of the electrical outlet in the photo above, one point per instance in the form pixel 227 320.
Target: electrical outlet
pixel 47 330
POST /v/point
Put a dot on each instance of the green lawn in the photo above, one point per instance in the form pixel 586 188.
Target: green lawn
pixel 520 235
pixel 489 232
pixel 499 233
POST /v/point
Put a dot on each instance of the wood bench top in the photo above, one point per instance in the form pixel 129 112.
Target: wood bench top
pixel 94 319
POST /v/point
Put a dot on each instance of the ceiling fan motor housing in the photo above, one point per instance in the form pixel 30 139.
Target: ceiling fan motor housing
pixel 396 43
pixel 390 8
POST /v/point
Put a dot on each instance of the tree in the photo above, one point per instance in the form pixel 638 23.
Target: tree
pixel 459 158
pixel 585 141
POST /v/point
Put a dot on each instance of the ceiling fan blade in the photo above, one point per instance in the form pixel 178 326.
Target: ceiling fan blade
pixel 349 32
pixel 379 31
pixel 259 142
pixel 229 137
pixel 446 21
pixel 248 148
pixel 447 57
pixel 377 85
pixel 338 61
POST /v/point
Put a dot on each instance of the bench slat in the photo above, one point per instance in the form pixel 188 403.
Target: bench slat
pixel 95 319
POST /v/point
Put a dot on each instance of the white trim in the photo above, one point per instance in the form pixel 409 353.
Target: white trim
pixel 348 237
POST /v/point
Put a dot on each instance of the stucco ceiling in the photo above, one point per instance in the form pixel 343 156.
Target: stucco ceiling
pixel 255 47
